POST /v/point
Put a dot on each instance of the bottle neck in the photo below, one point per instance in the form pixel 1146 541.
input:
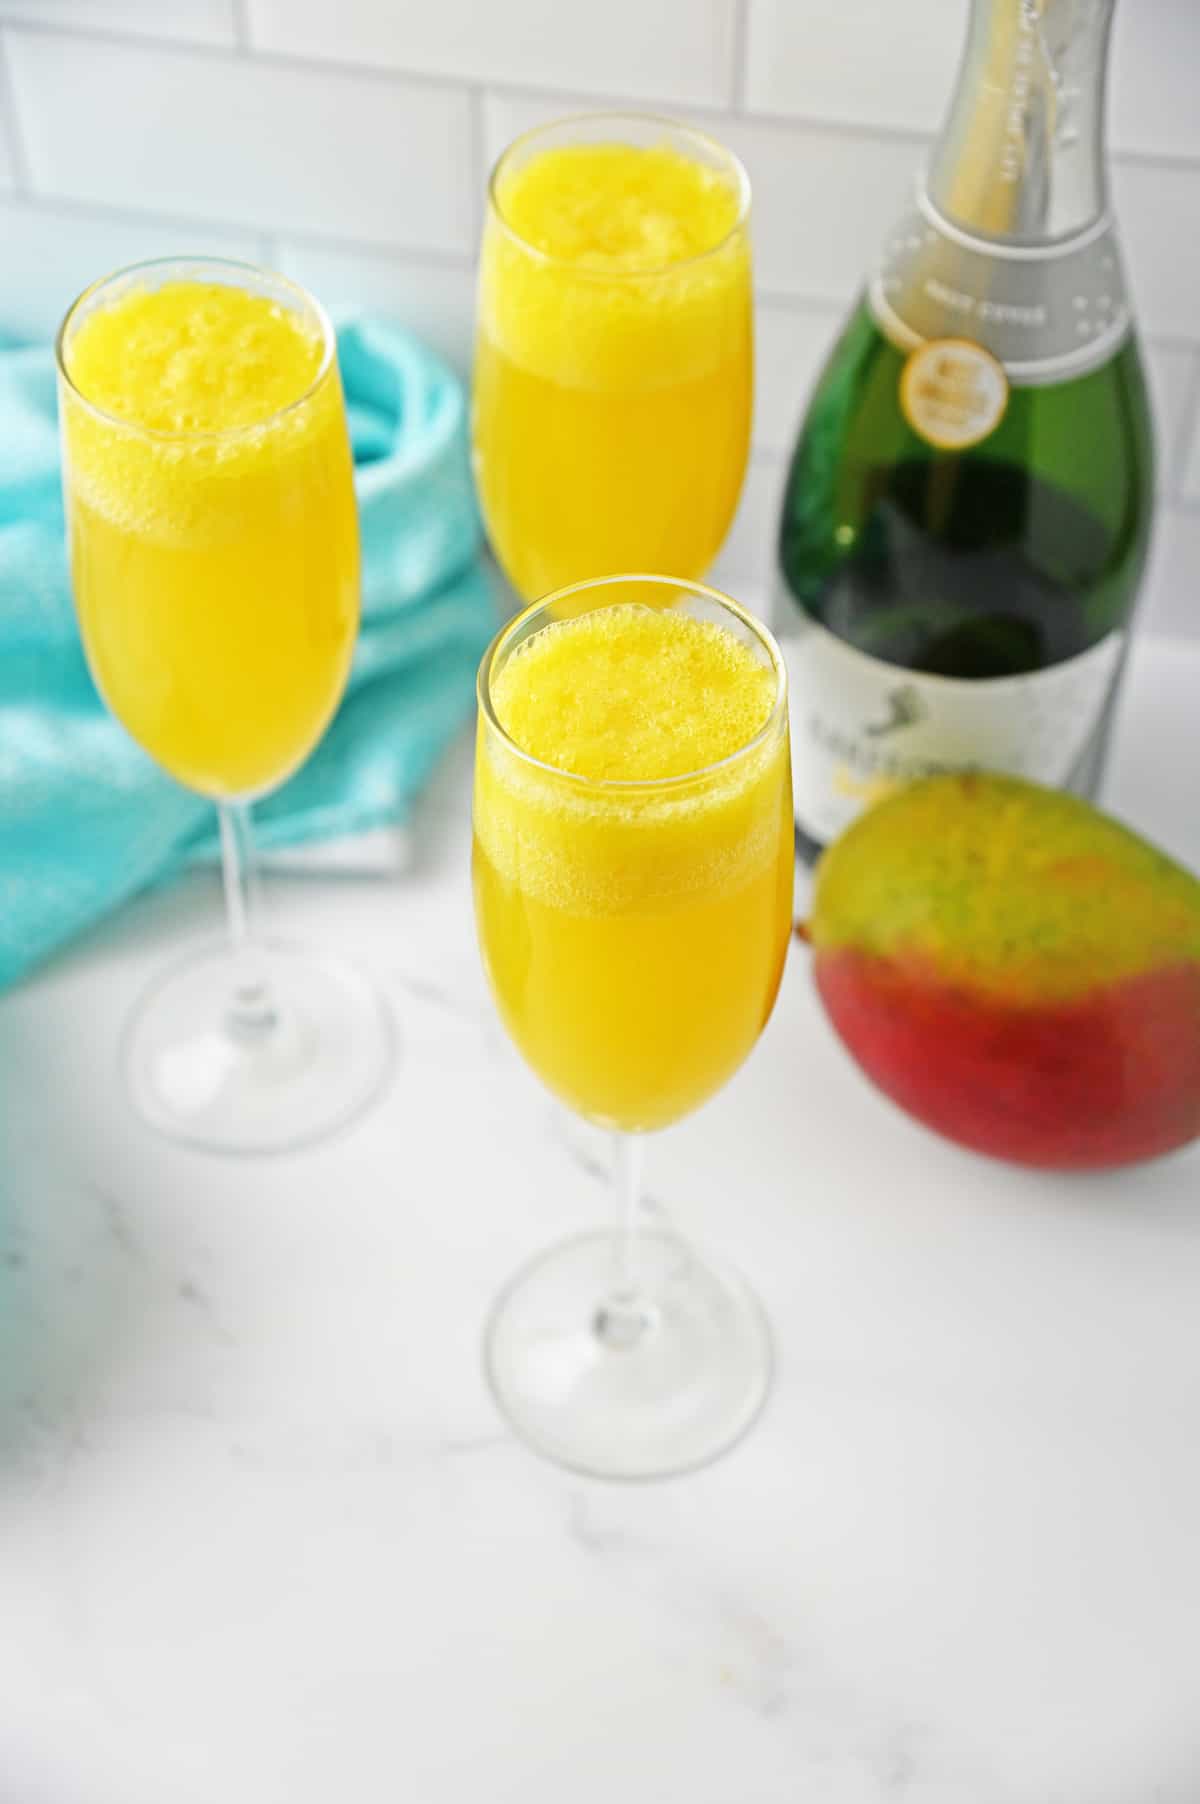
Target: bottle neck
pixel 1021 156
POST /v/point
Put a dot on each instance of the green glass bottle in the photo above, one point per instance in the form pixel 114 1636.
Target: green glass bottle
pixel 966 515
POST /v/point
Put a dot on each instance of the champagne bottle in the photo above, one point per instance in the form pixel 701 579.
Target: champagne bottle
pixel 966 515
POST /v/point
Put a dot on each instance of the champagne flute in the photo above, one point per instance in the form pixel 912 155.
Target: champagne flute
pixel 614 350
pixel 214 557
pixel 633 867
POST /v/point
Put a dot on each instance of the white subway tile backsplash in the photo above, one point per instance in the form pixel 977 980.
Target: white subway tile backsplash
pixel 672 50
pixel 857 61
pixel 1190 477
pixel 435 300
pixel 215 137
pixel 190 21
pixel 1157 211
pixel 1169 371
pixel 746 565
pixel 823 200
pixel 7 166
pixel 1154 70
pixel 791 345
pixel 1169 602
pixel 50 255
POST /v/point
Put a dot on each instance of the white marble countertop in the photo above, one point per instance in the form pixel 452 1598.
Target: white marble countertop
pixel 263 1539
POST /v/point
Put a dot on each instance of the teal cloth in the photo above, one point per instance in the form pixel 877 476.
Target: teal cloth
pixel 86 819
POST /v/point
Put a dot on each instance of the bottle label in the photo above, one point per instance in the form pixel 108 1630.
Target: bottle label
pixel 953 393
pixel 861 727
pixel 1046 312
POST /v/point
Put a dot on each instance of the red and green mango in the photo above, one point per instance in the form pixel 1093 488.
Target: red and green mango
pixel 1017 970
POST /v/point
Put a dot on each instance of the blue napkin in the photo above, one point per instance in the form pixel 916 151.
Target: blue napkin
pixel 86 819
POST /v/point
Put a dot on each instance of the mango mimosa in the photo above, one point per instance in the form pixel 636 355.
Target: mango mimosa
pixel 214 546
pixel 633 887
pixel 634 917
pixel 613 359
pixel 211 517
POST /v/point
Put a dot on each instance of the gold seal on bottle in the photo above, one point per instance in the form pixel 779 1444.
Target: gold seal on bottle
pixel 953 393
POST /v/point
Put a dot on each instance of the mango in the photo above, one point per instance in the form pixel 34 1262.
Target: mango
pixel 1017 970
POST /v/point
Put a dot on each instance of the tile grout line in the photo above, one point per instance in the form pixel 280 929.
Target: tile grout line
pixel 1170 341
pixel 134 36
pixel 48 203
pixel 739 58
pixel 241 24
pixel 52 202
pixel 478 158
pixel 368 247
pixel 1187 437
pixel 12 134
pixel 65 206
pixel 793 301
pixel 454 262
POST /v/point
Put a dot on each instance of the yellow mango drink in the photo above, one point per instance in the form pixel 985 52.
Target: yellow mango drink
pixel 613 366
pixel 633 853
pixel 211 519
pixel 211 516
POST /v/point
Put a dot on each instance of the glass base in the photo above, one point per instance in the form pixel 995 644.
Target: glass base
pixel 259 1051
pixel 666 1399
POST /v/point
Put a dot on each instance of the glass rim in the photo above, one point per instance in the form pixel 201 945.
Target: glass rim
pixel 195 435
pixel 551 261
pixel 635 785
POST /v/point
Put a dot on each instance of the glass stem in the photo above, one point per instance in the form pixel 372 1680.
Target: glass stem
pixel 250 1013
pixel 625 1315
